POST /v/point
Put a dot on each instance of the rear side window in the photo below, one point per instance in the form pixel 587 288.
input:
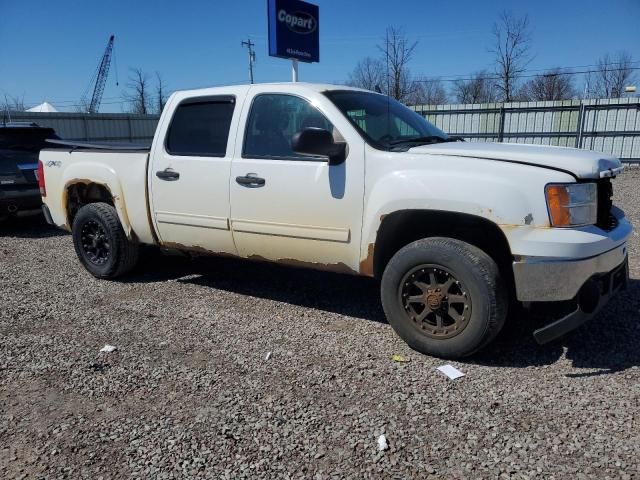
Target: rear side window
pixel 201 128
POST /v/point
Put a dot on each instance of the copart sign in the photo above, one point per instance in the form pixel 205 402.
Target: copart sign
pixel 294 30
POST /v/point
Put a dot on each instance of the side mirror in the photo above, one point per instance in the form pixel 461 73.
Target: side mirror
pixel 318 141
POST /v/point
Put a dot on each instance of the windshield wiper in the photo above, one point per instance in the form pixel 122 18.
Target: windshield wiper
pixel 426 139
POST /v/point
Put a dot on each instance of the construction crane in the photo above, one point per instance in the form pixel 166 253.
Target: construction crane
pixel 99 80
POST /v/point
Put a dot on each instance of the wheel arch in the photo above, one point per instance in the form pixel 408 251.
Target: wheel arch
pixel 80 192
pixel 402 227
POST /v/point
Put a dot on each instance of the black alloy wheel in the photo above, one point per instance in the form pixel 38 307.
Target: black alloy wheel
pixel 95 242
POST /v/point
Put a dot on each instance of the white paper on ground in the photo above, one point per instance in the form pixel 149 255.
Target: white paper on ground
pixel 450 371
pixel 268 356
pixel 108 349
pixel 382 443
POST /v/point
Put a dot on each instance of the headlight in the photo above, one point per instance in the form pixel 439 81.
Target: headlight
pixel 572 204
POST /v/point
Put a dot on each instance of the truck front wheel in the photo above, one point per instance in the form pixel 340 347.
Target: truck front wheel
pixel 100 242
pixel 444 297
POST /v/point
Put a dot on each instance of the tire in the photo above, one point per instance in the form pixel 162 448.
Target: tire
pixel 111 255
pixel 463 316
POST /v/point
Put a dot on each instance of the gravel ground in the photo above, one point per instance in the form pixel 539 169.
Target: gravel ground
pixel 189 393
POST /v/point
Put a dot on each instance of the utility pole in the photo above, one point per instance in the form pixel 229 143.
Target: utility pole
pixel 252 56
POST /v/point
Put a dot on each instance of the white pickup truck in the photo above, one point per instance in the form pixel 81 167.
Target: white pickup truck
pixel 348 180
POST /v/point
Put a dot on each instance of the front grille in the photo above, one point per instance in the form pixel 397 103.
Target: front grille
pixel 606 220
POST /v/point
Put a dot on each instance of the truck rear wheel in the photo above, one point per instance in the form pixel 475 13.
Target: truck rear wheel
pixel 444 297
pixel 100 242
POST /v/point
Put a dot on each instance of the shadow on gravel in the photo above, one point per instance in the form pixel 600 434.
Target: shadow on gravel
pixel 608 343
pixel 343 294
pixel 29 227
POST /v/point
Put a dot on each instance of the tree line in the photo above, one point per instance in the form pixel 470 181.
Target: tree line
pixel 141 96
pixel 511 47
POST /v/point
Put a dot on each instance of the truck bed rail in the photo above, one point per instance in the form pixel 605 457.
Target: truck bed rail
pixel 121 147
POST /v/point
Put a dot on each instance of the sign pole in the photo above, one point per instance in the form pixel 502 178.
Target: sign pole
pixel 294 70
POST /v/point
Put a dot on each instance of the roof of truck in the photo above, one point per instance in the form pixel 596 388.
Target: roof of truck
pixel 316 87
pixel 320 87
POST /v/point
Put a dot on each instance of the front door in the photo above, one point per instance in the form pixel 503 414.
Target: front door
pixel 190 176
pixel 292 208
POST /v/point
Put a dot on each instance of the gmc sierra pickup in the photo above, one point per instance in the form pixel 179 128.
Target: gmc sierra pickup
pixel 351 181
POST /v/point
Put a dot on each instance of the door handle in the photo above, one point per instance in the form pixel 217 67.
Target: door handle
pixel 250 180
pixel 167 174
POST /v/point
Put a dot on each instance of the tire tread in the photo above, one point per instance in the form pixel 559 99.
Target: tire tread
pixel 484 267
pixel 127 251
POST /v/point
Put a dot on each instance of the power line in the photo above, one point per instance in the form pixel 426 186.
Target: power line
pixel 551 73
pixel 547 69
pixel 452 78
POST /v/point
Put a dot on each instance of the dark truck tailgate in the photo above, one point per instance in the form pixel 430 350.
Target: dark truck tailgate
pixel 20 146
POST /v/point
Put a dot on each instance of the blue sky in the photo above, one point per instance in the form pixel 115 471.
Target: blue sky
pixel 50 49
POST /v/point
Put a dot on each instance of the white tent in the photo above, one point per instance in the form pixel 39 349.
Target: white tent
pixel 43 107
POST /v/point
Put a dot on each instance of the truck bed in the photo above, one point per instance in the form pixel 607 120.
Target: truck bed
pixel 120 169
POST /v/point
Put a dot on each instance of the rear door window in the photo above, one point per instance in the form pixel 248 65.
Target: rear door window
pixel 200 127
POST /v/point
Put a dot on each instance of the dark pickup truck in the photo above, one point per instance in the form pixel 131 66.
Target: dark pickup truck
pixel 20 144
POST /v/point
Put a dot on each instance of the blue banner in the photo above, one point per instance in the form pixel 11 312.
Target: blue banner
pixel 294 30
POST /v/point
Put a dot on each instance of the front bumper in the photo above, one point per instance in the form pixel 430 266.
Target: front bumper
pixel 588 283
pixel 540 279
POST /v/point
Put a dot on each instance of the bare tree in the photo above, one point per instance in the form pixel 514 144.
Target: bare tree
pixel 13 103
pixel 613 74
pixel 369 73
pixel 161 93
pixel 552 85
pixel 511 48
pixel 138 95
pixel 480 88
pixel 427 92
pixel 397 51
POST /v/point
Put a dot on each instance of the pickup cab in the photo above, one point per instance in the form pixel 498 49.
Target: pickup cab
pixel 458 234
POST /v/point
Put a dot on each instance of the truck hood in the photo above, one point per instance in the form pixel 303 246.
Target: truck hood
pixel 580 163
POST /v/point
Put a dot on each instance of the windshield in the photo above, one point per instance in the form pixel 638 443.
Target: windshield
pixel 384 122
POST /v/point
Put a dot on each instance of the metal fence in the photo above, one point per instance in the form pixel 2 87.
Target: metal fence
pixel 97 127
pixel 611 126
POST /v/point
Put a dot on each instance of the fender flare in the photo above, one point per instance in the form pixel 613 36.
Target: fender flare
pixel 88 174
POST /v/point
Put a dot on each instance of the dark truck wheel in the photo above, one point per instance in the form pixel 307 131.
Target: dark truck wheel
pixel 444 297
pixel 100 242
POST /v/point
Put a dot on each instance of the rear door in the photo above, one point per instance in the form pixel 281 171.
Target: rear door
pixel 189 174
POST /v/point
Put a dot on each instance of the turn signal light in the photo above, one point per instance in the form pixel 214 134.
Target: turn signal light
pixel 572 204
